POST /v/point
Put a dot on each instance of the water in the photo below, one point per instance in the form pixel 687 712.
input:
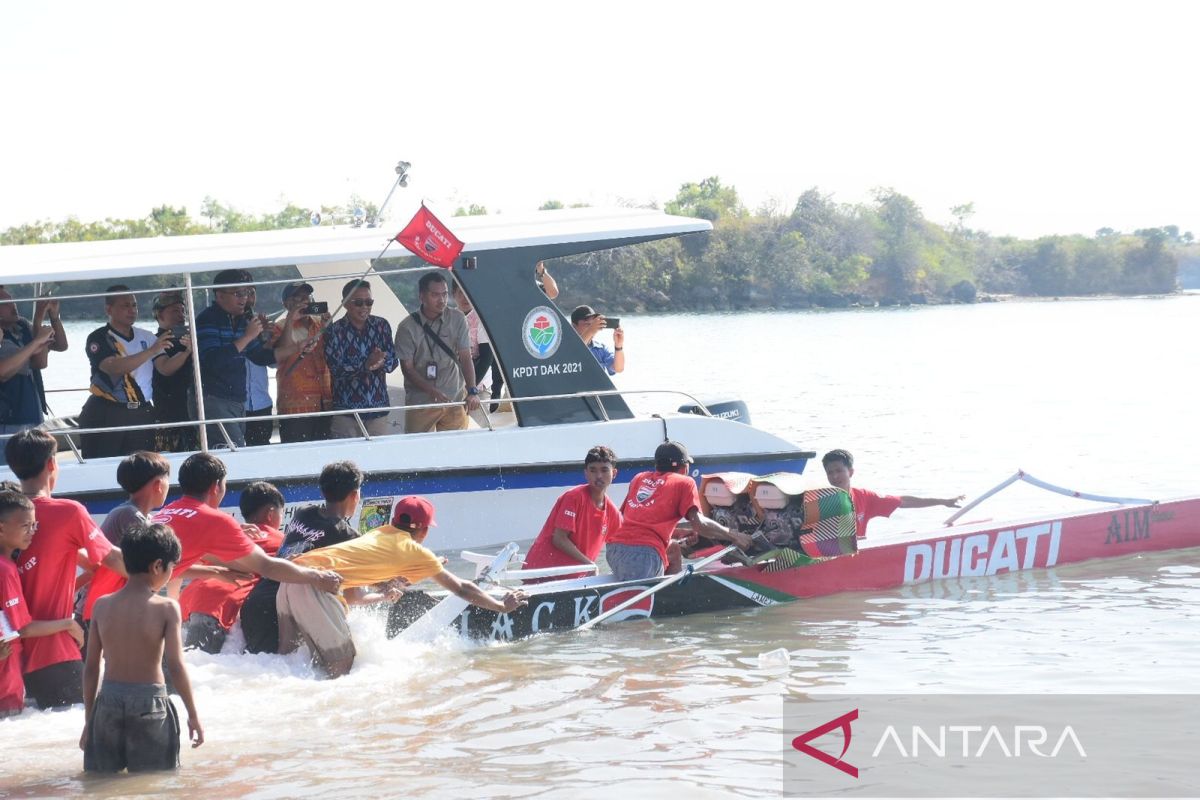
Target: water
pixel 1096 395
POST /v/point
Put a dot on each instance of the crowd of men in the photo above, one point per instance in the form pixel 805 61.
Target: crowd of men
pixel 142 383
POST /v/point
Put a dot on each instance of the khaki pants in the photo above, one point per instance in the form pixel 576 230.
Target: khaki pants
pixel 316 618
pixel 347 428
pixel 422 420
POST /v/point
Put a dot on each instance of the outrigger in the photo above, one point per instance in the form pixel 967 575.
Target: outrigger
pixel 956 552
pixel 508 471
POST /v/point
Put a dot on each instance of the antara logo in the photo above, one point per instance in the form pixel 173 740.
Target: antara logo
pixel 980 554
pixel 801 743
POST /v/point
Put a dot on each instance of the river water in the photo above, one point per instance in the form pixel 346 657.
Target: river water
pixel 1097 395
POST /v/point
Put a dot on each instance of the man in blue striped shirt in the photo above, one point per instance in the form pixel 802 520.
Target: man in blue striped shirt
pixel 225 339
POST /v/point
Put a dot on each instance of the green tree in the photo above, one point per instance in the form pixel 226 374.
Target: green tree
pixel 707 200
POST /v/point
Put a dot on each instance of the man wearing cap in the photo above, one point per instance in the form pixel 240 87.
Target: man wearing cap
pixel 643 546
pixel 226 337
pixel 302 381
pixel 434 346
pixel 374 567
pixel 122 390
pixel 173 374
pixel 587 323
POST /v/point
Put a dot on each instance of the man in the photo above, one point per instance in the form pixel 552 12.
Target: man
pixel 206 533
pixel 173 374
pixel 643 546
pixel 302 382
pixel 581 519
pixel 839 468
pixel 258 394
pixel 386 554
pixel 435 354
pixel 23 352
pixel 312 526
pixel 482 357
pixel 122 388
pixel 226 337
pixel 587 323
pixel 360 354
pixel 53 665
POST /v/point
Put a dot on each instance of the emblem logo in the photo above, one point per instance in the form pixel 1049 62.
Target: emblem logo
pixel 842 723
pixel 644 493
pixel 642 609
pixel 541 332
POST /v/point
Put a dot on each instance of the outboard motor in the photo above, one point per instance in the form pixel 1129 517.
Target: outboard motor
pixel 733 408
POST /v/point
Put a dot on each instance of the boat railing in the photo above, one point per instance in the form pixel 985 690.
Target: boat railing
pixel 70 433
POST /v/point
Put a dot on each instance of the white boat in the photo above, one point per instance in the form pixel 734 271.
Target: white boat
pixel 490 484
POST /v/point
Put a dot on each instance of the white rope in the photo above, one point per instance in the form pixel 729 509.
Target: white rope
pixel 1021 475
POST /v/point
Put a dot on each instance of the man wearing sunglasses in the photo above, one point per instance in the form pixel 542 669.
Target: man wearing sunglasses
pixel 360 354
pixel 226 338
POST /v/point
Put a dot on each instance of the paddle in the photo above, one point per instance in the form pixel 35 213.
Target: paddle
pixel 678 576
pixel 437 618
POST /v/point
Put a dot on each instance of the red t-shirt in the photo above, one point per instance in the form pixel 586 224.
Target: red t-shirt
pixel 656 502
pixel 868 505
pixel 221 599
pixel 47 571
pixel 14 615
pixel 203 531
pixel 575 513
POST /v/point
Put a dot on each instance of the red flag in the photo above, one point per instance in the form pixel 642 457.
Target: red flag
pixel 428 238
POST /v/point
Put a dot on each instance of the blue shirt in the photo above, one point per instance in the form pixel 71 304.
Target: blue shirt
pixel 605 356
pixel 346 353
pixel 20 403
pixel 222 367
pixel 258 396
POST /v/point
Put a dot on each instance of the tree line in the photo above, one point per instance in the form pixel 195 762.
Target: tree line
pixel 818 253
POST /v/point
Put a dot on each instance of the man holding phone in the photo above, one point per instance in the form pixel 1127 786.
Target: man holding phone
pixel 302 375
pixel 587 323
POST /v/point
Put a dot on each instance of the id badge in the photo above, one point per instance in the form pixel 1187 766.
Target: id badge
pixel 431 371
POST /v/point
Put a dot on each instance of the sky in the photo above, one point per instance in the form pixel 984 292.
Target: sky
pixel 1050 117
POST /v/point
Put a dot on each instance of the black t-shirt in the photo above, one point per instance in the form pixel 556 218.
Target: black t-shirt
pixel 307 530
pixel 170 391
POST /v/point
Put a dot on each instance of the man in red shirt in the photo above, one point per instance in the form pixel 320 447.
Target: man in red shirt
pixel 839 468
pixel 657 501
pixel 53 665
pixel 207 533
pixel 580 520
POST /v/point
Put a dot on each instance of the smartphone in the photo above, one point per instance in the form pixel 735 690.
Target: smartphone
pixel 179 331
pixel 612 322
pixel 316 309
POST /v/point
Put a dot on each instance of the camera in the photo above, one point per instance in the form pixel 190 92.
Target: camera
pixel 316 309
pixel 179 331
pixel 612 322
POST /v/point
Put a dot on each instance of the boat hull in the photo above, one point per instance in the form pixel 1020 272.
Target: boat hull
pixel 979 550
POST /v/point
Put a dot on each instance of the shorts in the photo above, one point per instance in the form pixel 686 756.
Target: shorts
pixel 632 562
pixel 317 618
pixel 203 632
pixel 134 726
pixel 56 686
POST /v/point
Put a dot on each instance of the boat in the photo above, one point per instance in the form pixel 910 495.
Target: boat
pixel 959 552
pixel 489 483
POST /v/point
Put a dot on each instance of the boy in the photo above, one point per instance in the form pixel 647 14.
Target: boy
pixel 146 477
pixel 580 520
pixel 316 525
pixel 17 527
pixel 210 606
pixel 378 556
pixel 53 664
pixel 643 548
pixel 132 724
pixel 839 468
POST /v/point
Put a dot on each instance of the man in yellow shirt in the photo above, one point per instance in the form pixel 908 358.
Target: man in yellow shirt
pixel 373 567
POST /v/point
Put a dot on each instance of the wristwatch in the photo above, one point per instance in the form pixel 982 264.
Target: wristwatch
pixel 472 391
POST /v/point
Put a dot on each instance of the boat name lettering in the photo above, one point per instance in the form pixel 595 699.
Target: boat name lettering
pixel 583 613
pixel 1129 525
pixel 502 628
pixel 983 553
pixel 535 621
pixel 536 370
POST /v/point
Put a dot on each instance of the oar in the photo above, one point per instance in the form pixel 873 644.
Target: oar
pixel 437 618
pixel 678 576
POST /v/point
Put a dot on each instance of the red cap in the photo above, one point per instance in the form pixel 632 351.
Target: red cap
pixel 418 509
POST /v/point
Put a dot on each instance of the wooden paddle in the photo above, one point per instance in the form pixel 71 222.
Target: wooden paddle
pixel 678 576
pixel 435 620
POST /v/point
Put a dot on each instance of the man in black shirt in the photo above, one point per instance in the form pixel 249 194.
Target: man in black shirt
pixel 313 526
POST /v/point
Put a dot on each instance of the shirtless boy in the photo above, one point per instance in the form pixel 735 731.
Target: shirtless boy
pixel 132 723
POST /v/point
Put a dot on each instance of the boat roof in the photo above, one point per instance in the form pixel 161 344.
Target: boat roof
pixel 128 258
